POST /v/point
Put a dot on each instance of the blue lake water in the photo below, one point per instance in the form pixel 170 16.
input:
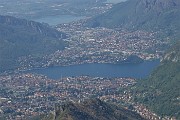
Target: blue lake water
pixel 58 19
pixel 141 70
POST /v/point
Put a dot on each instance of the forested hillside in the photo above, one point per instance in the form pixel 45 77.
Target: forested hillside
pixel 19 37
pixel 161 90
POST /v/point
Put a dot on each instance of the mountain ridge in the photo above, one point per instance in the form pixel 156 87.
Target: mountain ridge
pixel 20 37
pixel 43 29
pixel 93 109
pixel 151 15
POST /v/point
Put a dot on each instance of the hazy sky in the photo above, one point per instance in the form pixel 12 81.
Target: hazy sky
pixel 115 1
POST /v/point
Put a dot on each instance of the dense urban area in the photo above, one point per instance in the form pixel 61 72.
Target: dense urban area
pixel 99 45
pixel 28 95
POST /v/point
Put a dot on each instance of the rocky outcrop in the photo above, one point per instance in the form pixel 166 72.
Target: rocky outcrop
pixel 93 109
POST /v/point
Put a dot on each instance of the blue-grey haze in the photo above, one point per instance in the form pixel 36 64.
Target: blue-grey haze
pixel 115 1
pixel 58 19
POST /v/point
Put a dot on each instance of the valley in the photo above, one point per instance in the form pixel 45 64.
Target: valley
pixel 89 53
pixel 99 45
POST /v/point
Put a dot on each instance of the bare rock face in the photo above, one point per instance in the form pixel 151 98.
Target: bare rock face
pixel 158 5
pixel 93 109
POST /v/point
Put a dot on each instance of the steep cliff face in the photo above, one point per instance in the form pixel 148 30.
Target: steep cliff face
pixel 20 37
pixel 158 5
pixel 93 109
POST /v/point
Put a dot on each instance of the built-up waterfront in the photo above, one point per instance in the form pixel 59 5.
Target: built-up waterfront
pixel 98 45
pixel 29 95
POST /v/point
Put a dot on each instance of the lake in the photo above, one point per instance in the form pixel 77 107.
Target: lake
pixel 58 19
pixel 141 70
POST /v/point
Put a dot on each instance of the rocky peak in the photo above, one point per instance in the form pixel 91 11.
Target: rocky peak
pixel 93 109
pixel 157 5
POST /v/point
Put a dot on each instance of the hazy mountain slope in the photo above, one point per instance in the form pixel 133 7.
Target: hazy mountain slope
pixel 94 109
pixel 19 37
pixel 150 15
pixel 161 90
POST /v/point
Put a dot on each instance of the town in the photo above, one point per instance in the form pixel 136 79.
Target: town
pixel 98 45
pixel 27 95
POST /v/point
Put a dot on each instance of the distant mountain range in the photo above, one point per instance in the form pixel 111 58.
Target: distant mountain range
pixel 20 37
pixel 156 15
pixel 92 109
pixel 161 90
